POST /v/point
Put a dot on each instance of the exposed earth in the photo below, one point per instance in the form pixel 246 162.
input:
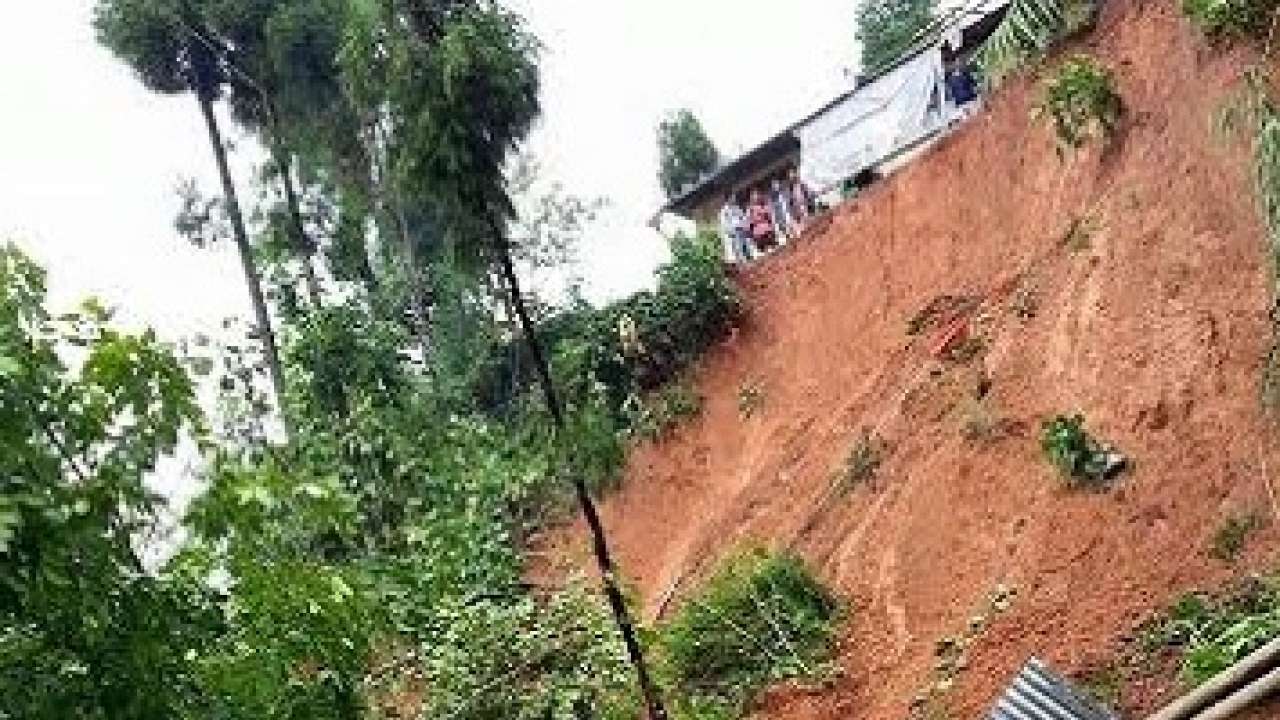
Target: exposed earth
pixel 1128 284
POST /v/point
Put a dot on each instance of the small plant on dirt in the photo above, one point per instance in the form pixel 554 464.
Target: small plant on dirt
pixel 1077 455
pixel 1080 232
pixel 1230 538
pixel 763 617
pixel 862 462
pixel 1081 102
pixel 750 399
pixel 1230 18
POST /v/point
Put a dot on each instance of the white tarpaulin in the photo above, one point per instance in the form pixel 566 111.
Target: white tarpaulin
pixel 872 123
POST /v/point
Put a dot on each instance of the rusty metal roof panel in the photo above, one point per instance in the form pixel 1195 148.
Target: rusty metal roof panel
pixel 1039 693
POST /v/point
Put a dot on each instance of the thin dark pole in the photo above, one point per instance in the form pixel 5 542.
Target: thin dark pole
pixel 271 354
pixel 608 571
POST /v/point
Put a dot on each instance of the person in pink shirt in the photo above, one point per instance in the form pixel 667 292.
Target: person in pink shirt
pixel 760 220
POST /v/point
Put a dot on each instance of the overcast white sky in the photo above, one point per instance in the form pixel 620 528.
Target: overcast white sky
pixel 89 159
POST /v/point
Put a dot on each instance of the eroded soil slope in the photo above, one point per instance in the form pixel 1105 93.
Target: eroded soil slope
pixel 1151 319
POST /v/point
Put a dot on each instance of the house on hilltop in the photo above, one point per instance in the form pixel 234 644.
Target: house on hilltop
pixel 888 117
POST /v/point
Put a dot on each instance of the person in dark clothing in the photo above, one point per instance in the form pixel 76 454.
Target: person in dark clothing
pixel 961 84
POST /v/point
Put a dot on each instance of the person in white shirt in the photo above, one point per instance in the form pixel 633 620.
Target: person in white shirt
pixel 733 228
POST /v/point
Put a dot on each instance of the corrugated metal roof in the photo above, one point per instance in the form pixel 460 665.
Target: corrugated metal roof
pixel 1039 693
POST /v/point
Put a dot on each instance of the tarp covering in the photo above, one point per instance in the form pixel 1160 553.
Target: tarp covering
pixel 872 123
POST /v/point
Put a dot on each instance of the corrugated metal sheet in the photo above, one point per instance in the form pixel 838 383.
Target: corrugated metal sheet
pixel 1039 693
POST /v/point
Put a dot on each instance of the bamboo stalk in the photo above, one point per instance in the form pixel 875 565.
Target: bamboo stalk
pixel 1222 685
pixel 1245 697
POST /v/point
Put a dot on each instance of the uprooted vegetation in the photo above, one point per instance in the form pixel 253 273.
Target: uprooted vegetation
pixel 660 411
pixel 1078 456
pixel 1080 102
pixel 751 399
pixel 762 618
pixel 1251 111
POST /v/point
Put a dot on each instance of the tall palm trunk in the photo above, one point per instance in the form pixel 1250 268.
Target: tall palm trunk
pixel 604 560
pixel 251 277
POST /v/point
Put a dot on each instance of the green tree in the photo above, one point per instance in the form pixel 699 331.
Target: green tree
pixel 85 631
pixel 168 46
pixel 462 87
pixel 887 28
pixel 284 83
pixel 685 153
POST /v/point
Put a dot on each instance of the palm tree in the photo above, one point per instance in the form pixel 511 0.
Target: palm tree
pixel 163 42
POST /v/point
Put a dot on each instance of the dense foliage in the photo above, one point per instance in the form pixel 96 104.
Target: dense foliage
pixel 375 552
pixel 888 28
pixel 631 346
pixel 367 562
pixel 685 153
pixel 761 618
pixel 85 412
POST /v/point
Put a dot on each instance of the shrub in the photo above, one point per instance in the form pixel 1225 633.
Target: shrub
pixel 694 306
pixel 1077 455
pixel 522 659
pixel 1230 18
pixel 762 618
pixel 1081 102
pixel 656 414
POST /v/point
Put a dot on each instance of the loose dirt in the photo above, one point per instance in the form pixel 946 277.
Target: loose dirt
pixel 1152 322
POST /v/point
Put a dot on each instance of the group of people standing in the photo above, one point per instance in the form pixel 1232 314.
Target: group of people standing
pixel 771 215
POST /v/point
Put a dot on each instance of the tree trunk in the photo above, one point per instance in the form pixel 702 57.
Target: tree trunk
pixel 608 571
pixel 306 249
pixel 303 245
pixel 417 281
pixel 269 350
